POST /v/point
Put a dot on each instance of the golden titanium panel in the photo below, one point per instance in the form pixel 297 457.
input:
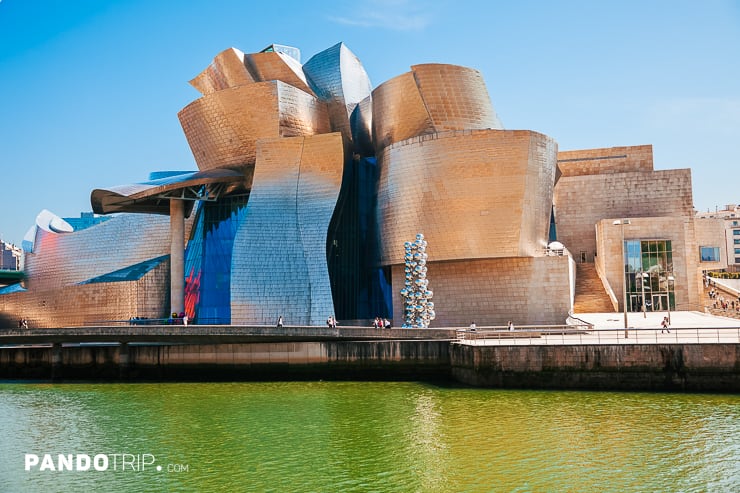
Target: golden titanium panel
pixel 223 128
pixel 474 194
pixel 227 70
pixel 431 98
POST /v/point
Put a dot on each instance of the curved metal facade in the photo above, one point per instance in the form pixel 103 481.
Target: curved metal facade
pixel 431 98
pixel 315 182
pixel 279 259
pixel 227 70
pixel 474 194
pixel 222 128
pixel 61 259
pixel 337 77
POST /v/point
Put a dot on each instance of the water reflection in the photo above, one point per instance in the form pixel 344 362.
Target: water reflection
pixel 368 436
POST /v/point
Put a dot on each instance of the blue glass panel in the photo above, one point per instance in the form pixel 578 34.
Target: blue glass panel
pixel 208 260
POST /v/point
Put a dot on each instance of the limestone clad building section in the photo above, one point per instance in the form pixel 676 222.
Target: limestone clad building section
pixel 222 128
pixel 613 183
pixel 606 160
pixel 279 260
pixel 710 233
pixel 474 194
pixel 684 265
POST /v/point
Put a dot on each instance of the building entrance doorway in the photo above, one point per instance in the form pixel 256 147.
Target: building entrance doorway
pixel 660 302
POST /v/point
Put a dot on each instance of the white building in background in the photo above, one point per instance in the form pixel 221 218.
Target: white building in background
pixel 730 214
pixel 11 256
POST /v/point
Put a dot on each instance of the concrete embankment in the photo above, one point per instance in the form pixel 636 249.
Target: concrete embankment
pixel 655 367
pixel 389 359
pixel 664 367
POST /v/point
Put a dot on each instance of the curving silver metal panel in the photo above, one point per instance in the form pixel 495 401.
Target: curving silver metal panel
pixel 69 258
pixel 337 76
pixel 279 258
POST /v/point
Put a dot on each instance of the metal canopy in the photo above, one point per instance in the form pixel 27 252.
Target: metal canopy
pixel 153 197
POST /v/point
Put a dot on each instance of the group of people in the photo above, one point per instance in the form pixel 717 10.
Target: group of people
pixel 331 322
pixel 381 323
pixel 723 304
pixel 23 323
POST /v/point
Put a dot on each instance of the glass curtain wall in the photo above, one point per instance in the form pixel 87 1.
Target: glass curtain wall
pixel 648 275
pixel 208 260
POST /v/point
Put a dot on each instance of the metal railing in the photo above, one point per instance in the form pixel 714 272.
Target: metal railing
pixel 586 335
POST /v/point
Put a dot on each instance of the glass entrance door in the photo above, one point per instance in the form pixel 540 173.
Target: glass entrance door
pixel 660 302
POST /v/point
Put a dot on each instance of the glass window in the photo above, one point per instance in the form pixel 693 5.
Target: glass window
pixel 709 254
pixel 737 251
pixel 648 266
pixel 737 241
pixel 736 232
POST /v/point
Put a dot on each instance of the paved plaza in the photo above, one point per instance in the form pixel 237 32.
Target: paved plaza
pixel 608 328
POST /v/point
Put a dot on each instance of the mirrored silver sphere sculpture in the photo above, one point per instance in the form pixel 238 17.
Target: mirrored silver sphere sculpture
pixel 418 310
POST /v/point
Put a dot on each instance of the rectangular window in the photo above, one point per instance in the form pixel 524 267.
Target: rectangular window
pixel 737 260
pixel 737 241
pixel 736 232
pixel 709 254
pixel 737 251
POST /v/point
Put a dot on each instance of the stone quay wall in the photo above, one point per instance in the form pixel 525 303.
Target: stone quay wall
pixel 653 367
pixel 647 367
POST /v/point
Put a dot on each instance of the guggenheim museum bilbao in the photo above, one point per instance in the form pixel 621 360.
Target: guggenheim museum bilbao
pixel 310 182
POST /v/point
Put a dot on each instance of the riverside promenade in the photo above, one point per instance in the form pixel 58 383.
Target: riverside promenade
pixel 700 354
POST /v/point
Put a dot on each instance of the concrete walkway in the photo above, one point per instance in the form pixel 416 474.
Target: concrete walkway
pixel 652 320
pixel 686 328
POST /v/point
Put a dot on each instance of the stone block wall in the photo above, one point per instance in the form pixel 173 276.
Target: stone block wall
pixel 605 160
pixel 679 230
pixel 711 233
pixel 582 200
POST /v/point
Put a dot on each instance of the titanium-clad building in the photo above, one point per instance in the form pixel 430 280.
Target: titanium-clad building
pixel 309 183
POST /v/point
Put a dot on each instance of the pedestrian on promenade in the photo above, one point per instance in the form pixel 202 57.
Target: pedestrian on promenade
pixel 665 326
pixel 280 321
pixel 472 327
pixel 511 325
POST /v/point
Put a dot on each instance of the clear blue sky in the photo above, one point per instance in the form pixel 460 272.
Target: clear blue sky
pixel 90 89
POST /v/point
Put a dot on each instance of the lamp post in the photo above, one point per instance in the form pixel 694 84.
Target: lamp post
pixel 670 279
pixel 622 222
pixel 643 276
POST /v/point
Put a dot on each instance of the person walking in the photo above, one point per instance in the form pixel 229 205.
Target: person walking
pixel 511 325
pixel 665 326
pixel 280 321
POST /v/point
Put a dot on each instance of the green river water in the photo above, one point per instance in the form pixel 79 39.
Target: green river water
pixel 364 436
